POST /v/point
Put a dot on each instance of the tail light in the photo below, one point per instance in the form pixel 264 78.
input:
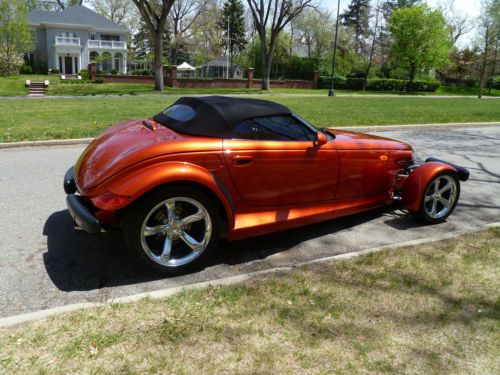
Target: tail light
pixel 109 200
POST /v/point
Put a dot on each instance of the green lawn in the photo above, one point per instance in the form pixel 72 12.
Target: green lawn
pixel 14 86
pixel 86 117
pixel 137 89
pixel 431 309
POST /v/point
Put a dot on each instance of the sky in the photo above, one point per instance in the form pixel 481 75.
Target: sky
pixel 471 8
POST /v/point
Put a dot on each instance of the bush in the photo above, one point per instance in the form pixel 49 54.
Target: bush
pixel 99 80
pixel 496 82
pixel 146 73
pixel 378 84
pixel 54 71
pixel 26 69
pixel 85 74
pixel 114 71
pixel 98 71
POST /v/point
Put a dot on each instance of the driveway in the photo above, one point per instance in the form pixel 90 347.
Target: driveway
pixel 45 263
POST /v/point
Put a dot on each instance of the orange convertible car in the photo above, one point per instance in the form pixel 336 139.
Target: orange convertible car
pixel 208 168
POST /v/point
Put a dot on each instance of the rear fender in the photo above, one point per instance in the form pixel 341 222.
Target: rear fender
pixel 414 186
pixel 135 184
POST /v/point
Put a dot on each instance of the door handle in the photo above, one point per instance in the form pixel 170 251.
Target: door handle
pixel 242 159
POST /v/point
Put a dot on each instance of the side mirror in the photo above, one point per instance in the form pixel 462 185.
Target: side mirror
pixel 320 140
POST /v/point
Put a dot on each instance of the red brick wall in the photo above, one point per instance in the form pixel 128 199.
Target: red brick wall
pixel 211 83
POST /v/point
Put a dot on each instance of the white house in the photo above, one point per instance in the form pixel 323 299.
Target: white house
pixel 68 40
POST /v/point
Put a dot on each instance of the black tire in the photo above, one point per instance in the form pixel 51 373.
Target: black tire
pixel 423 213
pixel 143 209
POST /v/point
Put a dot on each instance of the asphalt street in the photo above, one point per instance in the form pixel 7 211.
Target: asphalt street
pixel 45 263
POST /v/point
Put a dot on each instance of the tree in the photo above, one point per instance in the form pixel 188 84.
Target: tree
pixel 420 39
pixel 233 19
pixel 57 4
pixel 181 19
pixel 368 53
pixel 458 23
pixel 357 17
pixel 14 35
pixel 313 27
pixel 116 10
pixel 490 33
pixel 154 15
pixel 270 18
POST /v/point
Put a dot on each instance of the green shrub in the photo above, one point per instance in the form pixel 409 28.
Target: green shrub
pixel 378 84
pixel 98 71
pixel 99 80
pixel 26 69
pixel 54 71
pixel 85 74
pixel 114 71
pixel 496 82
pixel 146 72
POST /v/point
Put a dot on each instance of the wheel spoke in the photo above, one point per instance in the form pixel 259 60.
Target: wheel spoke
pixel 436 186
pixel 445 202
pixel 190 241
pixel 151 231
pixel 434 207
pixel 428 198
pixel 167 248
pixel 446 187
pixel 170 210
pixel 192 218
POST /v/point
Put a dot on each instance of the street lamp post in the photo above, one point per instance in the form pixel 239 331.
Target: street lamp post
pixel 331 92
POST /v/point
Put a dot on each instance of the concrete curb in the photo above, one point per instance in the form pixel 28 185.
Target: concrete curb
pixel 457 125
pixel 163 293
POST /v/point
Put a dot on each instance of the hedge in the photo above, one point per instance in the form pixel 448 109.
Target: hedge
pixel 378 84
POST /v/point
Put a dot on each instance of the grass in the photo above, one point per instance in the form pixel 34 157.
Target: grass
pixel 431 309
pixel 86 117
pixel 14 85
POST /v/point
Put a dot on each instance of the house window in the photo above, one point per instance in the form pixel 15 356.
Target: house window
pixel 92 36
pixel 114 38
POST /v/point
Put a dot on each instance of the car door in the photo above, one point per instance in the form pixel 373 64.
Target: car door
pixel 273 162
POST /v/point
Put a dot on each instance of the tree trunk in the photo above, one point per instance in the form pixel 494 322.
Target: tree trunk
pixel 409 88
pixel 493 67
pixel 267 59
pixel 485 60
pixel 158 41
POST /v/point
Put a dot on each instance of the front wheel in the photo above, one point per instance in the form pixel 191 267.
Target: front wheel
pixel 440 198
pixel 173 231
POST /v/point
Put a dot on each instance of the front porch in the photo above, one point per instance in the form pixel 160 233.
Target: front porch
pixel 108 61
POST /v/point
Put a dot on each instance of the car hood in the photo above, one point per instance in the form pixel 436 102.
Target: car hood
pixel 129 143
pixel 346 140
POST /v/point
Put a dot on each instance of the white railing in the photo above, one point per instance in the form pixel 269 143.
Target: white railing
pixel 107 44
pixel 65 40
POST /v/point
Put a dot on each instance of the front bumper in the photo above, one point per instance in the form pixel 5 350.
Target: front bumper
pixel 80 213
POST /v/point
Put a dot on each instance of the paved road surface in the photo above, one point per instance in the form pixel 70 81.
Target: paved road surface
pixel 45 263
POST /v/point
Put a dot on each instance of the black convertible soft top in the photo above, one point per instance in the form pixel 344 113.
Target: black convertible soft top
pixel 216 116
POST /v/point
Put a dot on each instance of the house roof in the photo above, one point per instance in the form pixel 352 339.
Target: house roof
pixel 216 116
pixel 77 15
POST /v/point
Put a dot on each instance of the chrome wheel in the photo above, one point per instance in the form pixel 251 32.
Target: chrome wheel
pixel 440 197
pixel 176 231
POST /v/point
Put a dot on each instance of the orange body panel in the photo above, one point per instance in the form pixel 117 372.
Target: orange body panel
pixel 263 186
pixel 414 187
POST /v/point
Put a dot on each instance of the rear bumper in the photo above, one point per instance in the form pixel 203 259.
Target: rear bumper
pixel 80 213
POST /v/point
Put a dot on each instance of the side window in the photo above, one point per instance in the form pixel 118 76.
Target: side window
pixel 273 128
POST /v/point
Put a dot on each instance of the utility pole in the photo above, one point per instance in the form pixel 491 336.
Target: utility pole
pixel 331 92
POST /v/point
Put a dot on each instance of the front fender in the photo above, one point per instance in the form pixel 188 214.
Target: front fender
pixel 139 181
pixel 414 186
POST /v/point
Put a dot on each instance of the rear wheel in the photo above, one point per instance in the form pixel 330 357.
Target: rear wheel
pixel 173 231
pixel 440 198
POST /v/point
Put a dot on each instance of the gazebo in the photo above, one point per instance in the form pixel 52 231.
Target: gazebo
pixel 186 69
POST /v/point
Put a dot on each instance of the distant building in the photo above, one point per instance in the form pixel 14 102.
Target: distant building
pixel 68 40
pixel 218 69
